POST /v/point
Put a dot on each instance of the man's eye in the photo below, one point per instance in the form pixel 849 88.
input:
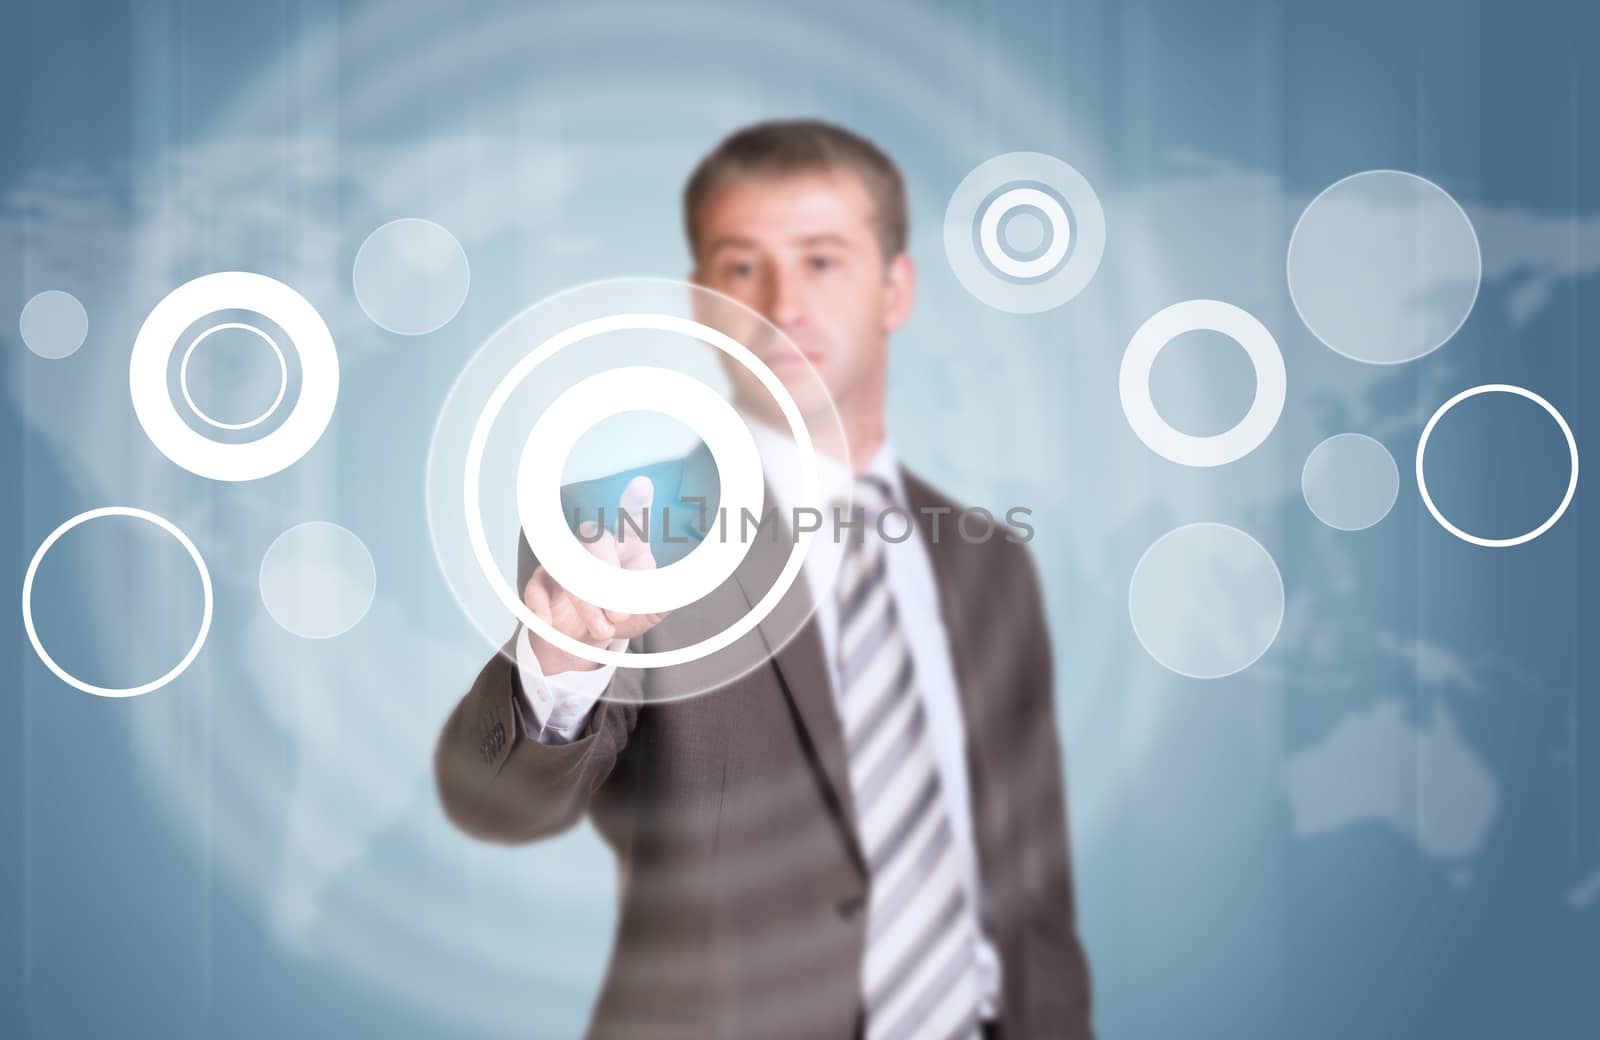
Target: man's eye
pixel 821 263
pixel 738 269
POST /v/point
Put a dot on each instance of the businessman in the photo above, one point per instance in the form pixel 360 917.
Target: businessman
pixel 864 835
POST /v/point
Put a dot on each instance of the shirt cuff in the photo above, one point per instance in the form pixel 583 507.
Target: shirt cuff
pixel 560 703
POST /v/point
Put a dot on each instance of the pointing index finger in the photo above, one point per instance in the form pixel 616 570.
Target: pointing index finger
pixel 635 502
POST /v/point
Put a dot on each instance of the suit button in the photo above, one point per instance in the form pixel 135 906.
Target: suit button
pixel 850 906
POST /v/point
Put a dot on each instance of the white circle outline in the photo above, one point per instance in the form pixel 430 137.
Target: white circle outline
pixel 1062 284
pixel 283 376
pixel 83 518
pixel 1572 481
pixel 471 482
pixel 1060 232
pixel 1238 325
pixel 158 337
pixel 1477 285
pixel 637 388
pixel 1276 573
pixel 1393 466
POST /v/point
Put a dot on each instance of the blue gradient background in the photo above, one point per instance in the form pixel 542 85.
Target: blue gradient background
pixel 256 851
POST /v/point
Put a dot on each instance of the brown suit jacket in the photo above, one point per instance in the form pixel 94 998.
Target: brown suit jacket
pixel 742 885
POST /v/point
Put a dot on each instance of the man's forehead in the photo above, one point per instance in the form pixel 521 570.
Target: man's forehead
pixel 816 203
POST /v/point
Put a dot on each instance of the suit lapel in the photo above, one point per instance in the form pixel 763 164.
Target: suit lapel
pixel 957 606
pixel 954 608
pixel 792 636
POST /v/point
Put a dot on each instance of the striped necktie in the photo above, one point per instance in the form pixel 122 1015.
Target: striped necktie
pixel 919 976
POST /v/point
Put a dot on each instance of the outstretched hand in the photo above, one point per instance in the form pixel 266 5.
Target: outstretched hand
pixel 585 621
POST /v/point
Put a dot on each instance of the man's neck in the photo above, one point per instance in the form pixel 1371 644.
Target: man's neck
pixel 863 416
pixel 865 432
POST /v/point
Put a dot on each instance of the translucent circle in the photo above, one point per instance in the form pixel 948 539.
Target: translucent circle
pixel 1350 481
pixel 1206 600
pixel 1384 266
pixel 411 276
pixel 317 580
pixel 27 601
pixel 54 324
pixel 1572 480
pixel 158 338
pixel 985 269
pixel 1023 231
pixel 283 376
pixel 1140 409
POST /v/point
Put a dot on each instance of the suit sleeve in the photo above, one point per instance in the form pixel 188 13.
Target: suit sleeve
pixel 1062 962
pixel 499 784
pixel 559 704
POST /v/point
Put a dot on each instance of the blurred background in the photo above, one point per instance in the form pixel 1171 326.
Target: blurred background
pixel 1387 825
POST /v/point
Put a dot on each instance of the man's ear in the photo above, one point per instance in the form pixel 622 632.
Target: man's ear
pixel 900 291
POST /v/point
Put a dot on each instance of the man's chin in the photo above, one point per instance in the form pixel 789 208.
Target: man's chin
pixel 811 399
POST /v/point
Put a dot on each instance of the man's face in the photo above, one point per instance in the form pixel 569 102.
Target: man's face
pixel 803 251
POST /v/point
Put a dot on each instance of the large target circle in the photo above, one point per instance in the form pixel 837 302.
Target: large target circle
pixel 1073 218
pixel 158 338
pixel 510 598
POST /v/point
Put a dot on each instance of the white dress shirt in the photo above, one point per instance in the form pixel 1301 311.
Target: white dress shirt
pixel 561 703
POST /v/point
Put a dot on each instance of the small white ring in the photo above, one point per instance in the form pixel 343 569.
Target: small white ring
pixel 1163 327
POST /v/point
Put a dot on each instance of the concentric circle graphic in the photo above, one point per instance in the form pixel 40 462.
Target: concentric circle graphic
pixel 1246 435
pixel 136 514
pixel 283 376
pixel 1384 266
pixel 1572 480
pixel 158 338
pixel 533 432
pixel 987 262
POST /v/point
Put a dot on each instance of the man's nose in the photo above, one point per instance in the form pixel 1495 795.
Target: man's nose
pixel 786 305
